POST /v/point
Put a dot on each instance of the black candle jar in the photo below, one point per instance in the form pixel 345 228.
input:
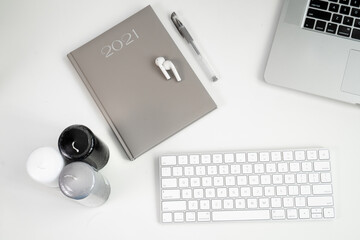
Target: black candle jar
pixel 79 143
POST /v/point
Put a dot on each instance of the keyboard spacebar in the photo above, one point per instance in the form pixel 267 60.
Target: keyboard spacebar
pixel 241 215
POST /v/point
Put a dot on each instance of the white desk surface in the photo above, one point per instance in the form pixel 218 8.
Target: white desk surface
pixel 41 94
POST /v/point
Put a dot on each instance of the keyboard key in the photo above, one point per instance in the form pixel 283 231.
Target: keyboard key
pixel 292 214
pixel 252 157
pixel 206 181
pixel 324 154
pixel 304 213
pixel 195 182
pixel 259 168
pixel 203 216
pixel 168 160
pixel 293 190
pixel 357 23
pixel 217 158
pixel 265 179
pixel 205 159
pixel 320 201
pixel 233 192
pixel 325 177
pixel 193 205
pixel 336 18
pixel 270 168
pixel 278 214
pixel 186 193
pixel 224 169
pixel 212 170
pixel 264 157
pixel 183 160
pixel 241 215
pixel 322 166
pixel 348 21
pixel 170 194
pixel 314 178
pixel 204 204
pixel 288 155
pixel 189 171
pixel 345 10
pixel 288 202
pixel 199 170
pixel 329 213
pixel 355 3
pixel 254 180
pixel 319 4
pixel 240 203
pixel 198 193
pixel 167 217
pixel 299 155
pixel 300 201
pixel 229 204
pixel 229 158
pixel 334 7
pixel 264 203
pixel 247 168
pixel 316 215
pixel 356 34
pixel 331 28
pixel 322 189
pixel 216 204
pixel 177 171
pixel 210 192
pixel 344 31
pixel 314 13
pixel 306 166
pixel 311 155
pixel 289 178
pixel 190 216
pixel 276 202
pixel 240 157
pixel 178 217
pixel 173 206
pixel 166 172
pixel 194 159
pixel 235 169
pixel 346 2
pixel 276 156
pixel 305 190
pixel 355 12
pixel 169 183
pixel 183 182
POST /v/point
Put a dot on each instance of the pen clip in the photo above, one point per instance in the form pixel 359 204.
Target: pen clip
pixel 176 22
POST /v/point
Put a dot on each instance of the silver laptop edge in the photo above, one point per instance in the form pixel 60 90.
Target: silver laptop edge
pixel 311 61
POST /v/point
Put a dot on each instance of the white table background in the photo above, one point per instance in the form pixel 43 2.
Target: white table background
pixel 41 94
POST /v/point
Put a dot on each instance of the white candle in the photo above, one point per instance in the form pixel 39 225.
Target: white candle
pixel 44 165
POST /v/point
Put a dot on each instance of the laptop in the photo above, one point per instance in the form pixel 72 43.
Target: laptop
pixel 316 49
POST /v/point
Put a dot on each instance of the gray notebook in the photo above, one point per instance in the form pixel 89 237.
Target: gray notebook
pixel 141 106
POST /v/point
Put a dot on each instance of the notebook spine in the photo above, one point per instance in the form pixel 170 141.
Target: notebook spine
pixel 98 103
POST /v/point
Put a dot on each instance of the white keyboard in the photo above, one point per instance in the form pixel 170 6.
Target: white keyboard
pixel 256 185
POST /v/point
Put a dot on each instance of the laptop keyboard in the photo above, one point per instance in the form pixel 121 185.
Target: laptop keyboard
pixel 334 17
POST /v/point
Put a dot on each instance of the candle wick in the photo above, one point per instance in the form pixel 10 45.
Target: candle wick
pixel 73 145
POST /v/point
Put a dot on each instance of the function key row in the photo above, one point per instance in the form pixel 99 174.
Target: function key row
pixel 218 158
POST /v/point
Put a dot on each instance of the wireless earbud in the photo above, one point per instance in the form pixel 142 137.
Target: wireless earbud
pixel 166 65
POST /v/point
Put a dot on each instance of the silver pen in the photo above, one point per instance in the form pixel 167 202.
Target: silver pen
pixel 185 34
